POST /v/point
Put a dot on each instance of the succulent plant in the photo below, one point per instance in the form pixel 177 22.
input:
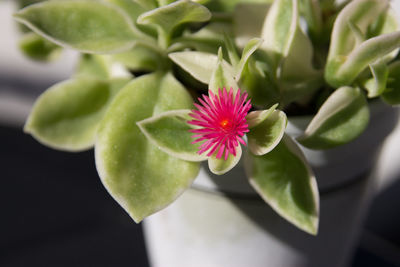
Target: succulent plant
pixel 144 64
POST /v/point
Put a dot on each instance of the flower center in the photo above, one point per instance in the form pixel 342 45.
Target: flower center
pixel 225 124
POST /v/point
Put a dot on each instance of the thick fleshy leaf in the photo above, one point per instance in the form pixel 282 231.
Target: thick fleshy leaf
pixel 231 49
pixel 254 118
pixel 38 48
pixel 391 94
pixel 279 29
pixel 141 177
pixel 248 22
pixel 286 182
pixel 348 56
pixel 311 11
pixel 266 135
pixel 169 131
pixel 93 66
pixel 88 26
pixel 248 50
pixel 230 5
pixel 169 16
pixel 140 58
pixel 198 64
pixel 67 115
pixel 342 117
pixel 221 77
pixel 221 166
pixel 377 84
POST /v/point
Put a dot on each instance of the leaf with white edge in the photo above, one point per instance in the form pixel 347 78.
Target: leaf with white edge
pixel 169 16
pixel 248 21
pixel 198 64
pixel 377 84
pixel 169 131
pixel 286 182
pixel 84 25
pixel 248 50
pixel 348 57
pixel 342 118
pixel 221 166
pixel 221 77
pixel 141 177
pixel 254 118
pixel 38 48
pixel 265 136
pixel 392 93
pixel 67 115
pixel 279 29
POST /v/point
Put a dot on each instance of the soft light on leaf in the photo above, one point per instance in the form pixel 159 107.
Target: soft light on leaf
pixel 286 182
pixel 221 166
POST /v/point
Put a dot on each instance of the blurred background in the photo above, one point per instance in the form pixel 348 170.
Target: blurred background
pixel 54 211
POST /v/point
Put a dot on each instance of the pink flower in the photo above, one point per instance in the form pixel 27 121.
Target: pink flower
pixel 222 121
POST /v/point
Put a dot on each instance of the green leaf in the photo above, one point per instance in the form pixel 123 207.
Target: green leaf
pixel 286 182
pixel 146 4
pixel 94 66
pixel 254 118
pixel 377 84
pixel 392 93
pixel 221 166
pixel 230 5
pixel 169 131
pixel 231 49
pixel 348 57
pixel 221 77
pixel 198 64
pixel 248 21
pixel 84 25
pixel 67 115
pixel 169 16
pixel 279 29
pixel 265 136
pixel 248 50
pixel 311 11
pixel 141 177
pixel 38 48
pixel 342 118
pixel 140 58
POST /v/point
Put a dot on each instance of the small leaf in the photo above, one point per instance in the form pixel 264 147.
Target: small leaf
pixel 169 131
pixel 248 21
pixel 342 118
pixel 221 77
pixel 84 25
pixel 265 136
pixel 38 48
pixel 169 16
pixel 231 49
pixel 141 177
pixel 67 115
pixel 392 93
pixel 286 182
pixel 198 64
pixel 248 50
pixel 254 118
pixel 221 166
pixel 377 84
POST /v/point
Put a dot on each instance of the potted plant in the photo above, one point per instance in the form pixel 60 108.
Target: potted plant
pixel 162 86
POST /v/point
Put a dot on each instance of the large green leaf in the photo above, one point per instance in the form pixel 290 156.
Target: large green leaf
pixel 268 133
pixel 286 182
pixel 342 118
pixel 169 131
pixel 67 115
pixel 88 26
pixel 141 177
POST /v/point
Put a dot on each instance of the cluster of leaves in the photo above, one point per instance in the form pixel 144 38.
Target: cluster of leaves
pixel 143 61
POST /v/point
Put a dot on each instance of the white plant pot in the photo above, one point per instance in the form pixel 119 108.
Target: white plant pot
pixel 221 221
